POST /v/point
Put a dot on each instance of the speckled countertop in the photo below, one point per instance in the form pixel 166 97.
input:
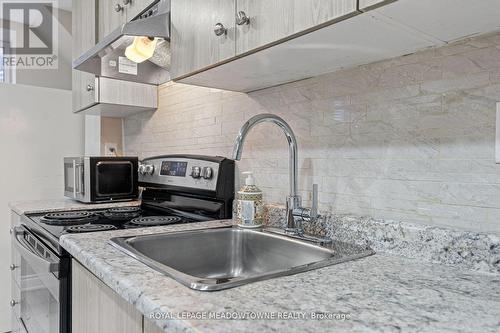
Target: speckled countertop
pixel 380 293
pixel 52 205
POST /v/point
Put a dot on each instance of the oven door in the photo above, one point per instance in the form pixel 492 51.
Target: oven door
pixel 41 309
pixel 113 179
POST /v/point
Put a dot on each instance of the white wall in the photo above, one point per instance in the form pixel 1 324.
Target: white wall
pixel 92 135
pixel 37 129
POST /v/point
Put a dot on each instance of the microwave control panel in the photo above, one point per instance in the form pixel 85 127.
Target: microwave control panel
pixel 179 171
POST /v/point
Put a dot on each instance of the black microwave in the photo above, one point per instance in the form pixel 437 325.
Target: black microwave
pixel 100 179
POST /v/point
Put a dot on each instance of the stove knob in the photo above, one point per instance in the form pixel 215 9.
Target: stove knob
pixel 196 172
pixel 207 172
pixel 149 169
pixel 142 169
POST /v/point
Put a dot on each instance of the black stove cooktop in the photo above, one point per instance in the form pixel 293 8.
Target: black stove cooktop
pixel 176 189
pixel 60 223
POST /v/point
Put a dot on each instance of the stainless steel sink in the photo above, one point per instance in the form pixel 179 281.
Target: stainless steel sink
pixel 221 258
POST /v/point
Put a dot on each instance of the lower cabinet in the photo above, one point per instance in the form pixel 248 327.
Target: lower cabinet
pixel 97 308
pixel 150 327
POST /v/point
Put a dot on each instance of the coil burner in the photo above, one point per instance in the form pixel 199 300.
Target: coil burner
pixel 155 220
pixel 90 228
pixel 122 213
pixel 69 218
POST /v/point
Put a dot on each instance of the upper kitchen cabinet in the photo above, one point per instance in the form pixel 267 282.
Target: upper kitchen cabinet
pixel 111 15
pixel 84 37
pixel 340 37
pixel 264 22
pixel 203 34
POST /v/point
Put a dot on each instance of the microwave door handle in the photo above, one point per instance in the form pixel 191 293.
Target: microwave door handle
pixel 77 179
pixel 28 253
pixel 74 179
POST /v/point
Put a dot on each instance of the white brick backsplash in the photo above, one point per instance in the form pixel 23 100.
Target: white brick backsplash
pixel 410 138
pixel 457 83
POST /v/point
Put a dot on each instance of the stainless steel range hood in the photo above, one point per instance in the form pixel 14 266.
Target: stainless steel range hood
pixel 107 58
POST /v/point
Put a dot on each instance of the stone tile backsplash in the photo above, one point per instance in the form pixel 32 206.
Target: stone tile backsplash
pixel 410 138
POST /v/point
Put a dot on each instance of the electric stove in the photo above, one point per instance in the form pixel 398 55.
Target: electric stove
pixel 174 189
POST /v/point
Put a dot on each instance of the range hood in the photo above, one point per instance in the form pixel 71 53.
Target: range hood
pixel 107 58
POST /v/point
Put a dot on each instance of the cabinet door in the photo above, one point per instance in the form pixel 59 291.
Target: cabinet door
pixel 194 42
pixel 150 327
pixel 112 14
pixel 84 37
pixel 127 93
pixel 135 7
pixel 97 308
pixel 272 20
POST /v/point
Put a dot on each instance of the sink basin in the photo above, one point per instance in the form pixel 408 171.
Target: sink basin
pixel 221 258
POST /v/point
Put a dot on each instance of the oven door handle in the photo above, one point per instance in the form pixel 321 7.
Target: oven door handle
pixel 29 254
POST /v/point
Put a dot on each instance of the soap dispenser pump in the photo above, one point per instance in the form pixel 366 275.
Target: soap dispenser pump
pixel 249 204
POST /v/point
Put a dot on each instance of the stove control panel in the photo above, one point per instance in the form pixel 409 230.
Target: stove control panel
pixel 180 171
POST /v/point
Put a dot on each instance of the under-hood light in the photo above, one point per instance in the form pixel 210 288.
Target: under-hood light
pixel 141 49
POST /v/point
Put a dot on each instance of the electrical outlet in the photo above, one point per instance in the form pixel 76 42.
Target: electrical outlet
pixel 110 149
pixel 497 135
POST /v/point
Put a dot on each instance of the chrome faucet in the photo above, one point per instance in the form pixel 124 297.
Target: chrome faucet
pixel 295 213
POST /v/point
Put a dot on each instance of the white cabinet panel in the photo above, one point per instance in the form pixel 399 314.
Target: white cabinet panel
pixel 447 20
pixel 369 4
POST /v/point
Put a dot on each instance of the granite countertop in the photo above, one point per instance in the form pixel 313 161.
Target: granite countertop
pixel 380 293
pixel 53 205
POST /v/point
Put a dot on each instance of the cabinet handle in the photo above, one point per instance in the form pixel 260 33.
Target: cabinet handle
pixel 242 18
pixel 13 267
pixel 118 8
pixel 90 87
pixel 220 30
pixel 13 303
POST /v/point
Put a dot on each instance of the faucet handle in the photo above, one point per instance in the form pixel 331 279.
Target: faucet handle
pixel 314 206
pixel 307 214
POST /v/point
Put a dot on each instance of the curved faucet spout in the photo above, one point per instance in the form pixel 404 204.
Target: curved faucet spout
pixel 292 145
pixel 295 213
